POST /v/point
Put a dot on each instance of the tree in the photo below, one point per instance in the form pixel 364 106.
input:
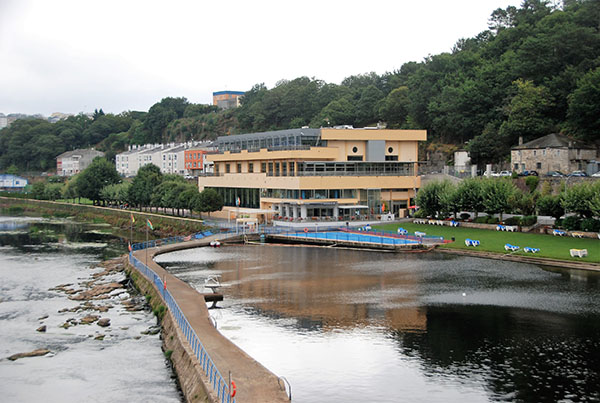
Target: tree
pixel 38 190
pixel 527 113
pixel 337 112
pixel 188 198
pixel 470 195
pixel 487 148
pixel 550 205
pixel 430 198
pixel 116 193
pixel 577 198
pixel 583 116
pixel 393 109
pixel 143 185
pixel 595 200
pixel 497 194
pixel 450 201
pixel 69 190
pixel 160 115
pixel 53 191
pixel 210 200
pixel 100 173
pixel 366 107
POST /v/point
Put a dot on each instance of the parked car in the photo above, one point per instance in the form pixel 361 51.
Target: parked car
pixel 578 173
pixel 505 173
pixel 596 175
pixel 555 174
pixel 491 173
pixel 529 173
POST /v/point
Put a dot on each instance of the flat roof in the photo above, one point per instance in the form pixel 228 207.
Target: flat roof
pixel 229 92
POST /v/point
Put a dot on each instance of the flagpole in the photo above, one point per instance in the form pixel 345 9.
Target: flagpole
pixel 146 244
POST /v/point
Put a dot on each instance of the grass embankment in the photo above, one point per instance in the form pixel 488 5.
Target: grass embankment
pixel 163 225
pixel 552 247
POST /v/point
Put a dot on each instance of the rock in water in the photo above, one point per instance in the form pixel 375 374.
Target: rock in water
pixel 89 319
pixel 34 353
pixel 104 322
pixel 41 328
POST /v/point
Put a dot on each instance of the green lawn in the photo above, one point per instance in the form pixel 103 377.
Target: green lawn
pixel 493 241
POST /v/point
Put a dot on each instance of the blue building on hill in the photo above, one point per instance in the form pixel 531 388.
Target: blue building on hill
pixel 12 183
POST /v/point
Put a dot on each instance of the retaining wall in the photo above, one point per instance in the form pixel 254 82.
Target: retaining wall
pixel 189 374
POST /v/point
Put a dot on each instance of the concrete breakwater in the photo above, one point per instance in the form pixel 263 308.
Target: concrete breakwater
pixel 254 383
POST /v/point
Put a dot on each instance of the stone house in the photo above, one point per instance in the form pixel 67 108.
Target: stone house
pixel 554 152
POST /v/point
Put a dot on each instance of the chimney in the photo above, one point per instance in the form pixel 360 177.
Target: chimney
pixel 520 140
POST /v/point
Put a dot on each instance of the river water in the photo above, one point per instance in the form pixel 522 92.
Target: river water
pixel 357 326
pixel 87 363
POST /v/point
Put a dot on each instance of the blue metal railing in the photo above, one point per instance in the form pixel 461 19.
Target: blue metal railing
pixel 216 380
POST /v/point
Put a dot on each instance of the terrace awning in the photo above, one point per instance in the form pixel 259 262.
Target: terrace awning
pixel 358 206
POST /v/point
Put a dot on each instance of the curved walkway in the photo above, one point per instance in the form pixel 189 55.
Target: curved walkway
pixel 254 382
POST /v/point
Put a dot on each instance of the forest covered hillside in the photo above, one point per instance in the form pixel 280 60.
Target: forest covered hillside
pixel 535 71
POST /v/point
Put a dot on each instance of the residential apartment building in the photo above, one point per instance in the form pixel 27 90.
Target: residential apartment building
pixel 170 158
pixel 227 99
pixel 71 163
pixel 195 160
pixel 554 152
pixel 3 121
pixel 329 173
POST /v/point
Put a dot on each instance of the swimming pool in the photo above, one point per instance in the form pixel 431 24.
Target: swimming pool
pixel 352 237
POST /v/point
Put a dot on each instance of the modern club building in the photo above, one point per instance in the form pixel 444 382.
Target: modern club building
pixel 317 174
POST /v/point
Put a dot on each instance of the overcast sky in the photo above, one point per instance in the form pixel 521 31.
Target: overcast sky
pixel 75 56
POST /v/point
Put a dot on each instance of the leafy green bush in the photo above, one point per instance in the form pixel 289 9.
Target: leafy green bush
pixel 590 224
pixel 571 223
pixel 492 220
pixel 516 220
pixel 481 220
pixel 529 220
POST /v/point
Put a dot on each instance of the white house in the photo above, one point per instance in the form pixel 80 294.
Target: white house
pixel 12 182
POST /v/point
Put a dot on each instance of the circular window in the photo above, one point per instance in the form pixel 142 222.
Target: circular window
pixel 354 149
pixel 390 150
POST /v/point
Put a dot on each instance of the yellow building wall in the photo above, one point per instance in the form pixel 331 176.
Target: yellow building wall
pixel 262 181
pixel 368 134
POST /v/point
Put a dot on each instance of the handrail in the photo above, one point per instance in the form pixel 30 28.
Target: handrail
pixel 210 370
pixel 288 384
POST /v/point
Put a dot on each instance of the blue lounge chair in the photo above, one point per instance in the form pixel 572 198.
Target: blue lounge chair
pixel 528 249
pixel 512 248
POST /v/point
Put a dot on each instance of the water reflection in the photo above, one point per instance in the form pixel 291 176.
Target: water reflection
pixel 522 355
pixel 437 327
pixel 28 235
